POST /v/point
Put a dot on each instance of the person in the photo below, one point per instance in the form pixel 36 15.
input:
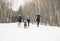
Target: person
pixel 19 20
pixel 28 20
pixel 25 23
pixel 38 19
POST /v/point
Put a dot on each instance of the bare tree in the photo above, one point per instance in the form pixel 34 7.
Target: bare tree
pixel 48 9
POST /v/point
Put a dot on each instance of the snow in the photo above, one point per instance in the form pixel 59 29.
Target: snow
pixel 11 32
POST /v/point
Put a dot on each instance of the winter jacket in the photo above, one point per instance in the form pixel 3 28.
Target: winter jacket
pixel 19 19
pixel 37 18
pixel 28 18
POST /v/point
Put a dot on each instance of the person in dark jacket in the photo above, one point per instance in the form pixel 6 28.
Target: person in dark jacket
pixel 19 20
pixel 38 19
pixel 28 20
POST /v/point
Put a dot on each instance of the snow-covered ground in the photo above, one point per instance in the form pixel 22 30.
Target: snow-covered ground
pixel 11 32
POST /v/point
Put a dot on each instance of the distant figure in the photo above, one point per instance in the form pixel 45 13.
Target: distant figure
pixel 19 20
pixel 28 20
pixel 25 23
pixel 38 20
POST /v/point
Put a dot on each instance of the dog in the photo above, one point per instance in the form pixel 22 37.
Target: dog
pixel 25 23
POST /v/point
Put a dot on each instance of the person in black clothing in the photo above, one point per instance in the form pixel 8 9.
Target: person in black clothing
pixel 19 19
pixel 38 19
pixel 28 20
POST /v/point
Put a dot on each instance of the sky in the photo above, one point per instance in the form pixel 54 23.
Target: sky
pixel 17 3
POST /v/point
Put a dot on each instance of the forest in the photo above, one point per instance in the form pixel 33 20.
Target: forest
pixel 48 9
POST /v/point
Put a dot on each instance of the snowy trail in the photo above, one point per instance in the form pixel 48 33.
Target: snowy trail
pixel 11 32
